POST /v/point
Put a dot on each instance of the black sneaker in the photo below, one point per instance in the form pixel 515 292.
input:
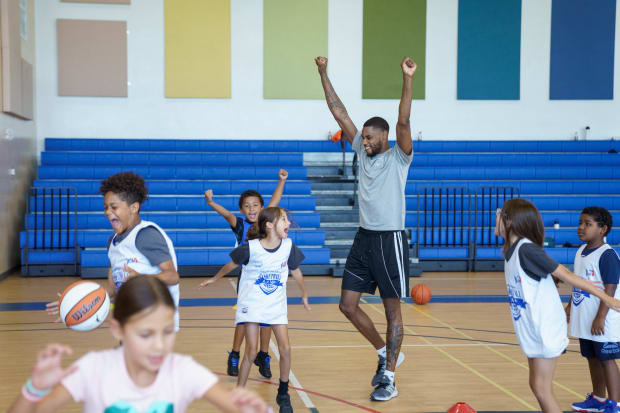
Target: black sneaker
pixel 263 363
pixel 233 364
pixel 284 401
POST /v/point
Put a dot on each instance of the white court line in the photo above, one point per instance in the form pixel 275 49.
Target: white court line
pixel 302 394
pixel 420 345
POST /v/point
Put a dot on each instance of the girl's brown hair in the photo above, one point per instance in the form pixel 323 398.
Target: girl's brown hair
pixel 259 229
pixel 521 218
pixel 139 293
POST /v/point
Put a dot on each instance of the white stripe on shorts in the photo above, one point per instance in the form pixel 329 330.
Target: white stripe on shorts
pixel 398 246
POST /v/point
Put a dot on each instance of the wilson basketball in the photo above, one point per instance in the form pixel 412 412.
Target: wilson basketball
pixel 84 305
pixel 421 294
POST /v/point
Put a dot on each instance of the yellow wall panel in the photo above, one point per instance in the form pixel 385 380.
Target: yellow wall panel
pixel 197 48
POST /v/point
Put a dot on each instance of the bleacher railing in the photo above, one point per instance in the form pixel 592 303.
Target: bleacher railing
pixel 443 218
pixel 53 211
pixel 488 200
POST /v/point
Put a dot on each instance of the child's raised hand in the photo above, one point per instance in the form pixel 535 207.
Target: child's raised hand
pixel 209 196
pixel 248 401
pixel 283 174
pixel 47 371
pixel 206 282
pixel 53 308
pixel 304 300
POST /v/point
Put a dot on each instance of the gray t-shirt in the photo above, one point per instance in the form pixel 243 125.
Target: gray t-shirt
pixel 534 260
pixel 382 180
pixel 149 242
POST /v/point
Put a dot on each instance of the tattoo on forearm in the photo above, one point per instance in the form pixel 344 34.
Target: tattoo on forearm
pixel 394 341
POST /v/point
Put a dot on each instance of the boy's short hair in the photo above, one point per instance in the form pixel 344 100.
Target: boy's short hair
pixel 600 215
pixel 249 193
pixel 129 186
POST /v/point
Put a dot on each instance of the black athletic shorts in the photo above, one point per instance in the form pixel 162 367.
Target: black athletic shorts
pixel 378 259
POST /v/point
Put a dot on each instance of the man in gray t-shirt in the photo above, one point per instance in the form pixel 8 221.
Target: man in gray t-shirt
pixel 379 256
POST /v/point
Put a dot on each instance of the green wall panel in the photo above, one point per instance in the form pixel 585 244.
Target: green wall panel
pixel 295 32
pixel 392 29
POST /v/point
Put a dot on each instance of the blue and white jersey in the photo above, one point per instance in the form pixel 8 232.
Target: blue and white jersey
pixel 262 286
pixel 126 253
pixel 536 309
pixel 584 306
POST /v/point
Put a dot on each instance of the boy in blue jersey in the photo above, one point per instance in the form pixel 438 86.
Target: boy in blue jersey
pixel 597 328
pixel 250 205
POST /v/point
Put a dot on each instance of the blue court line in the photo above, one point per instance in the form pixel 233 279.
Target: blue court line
pixel 230 301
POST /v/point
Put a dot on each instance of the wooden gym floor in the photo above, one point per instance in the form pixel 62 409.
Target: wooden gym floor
pixel 459 347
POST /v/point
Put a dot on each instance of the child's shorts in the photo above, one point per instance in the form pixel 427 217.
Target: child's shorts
pixel 599 350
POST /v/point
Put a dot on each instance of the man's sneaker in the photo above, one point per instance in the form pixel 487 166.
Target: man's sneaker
pixel 611 407
pixel 590 404
pixel 233 364
pixel 263 363
pixel 384 391
pixel 381 368
pixel 284 401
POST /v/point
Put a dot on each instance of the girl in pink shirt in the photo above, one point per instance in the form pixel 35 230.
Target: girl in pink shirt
pixel 142 375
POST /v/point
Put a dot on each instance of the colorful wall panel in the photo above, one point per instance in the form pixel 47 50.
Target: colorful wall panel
pixel 489 49
pixel 197 48
pixel 392 29
pixel 582 49
pixel 295 32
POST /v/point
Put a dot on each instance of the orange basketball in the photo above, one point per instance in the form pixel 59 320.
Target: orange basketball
pixel 84 305
pixel 421 294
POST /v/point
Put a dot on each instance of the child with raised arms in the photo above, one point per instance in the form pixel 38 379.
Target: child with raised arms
pixel 537 312
pixel 250 204
pixel 590 320
pixel 142 375
pixel 266 261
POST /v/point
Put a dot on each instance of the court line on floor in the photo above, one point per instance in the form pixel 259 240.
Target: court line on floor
pixel 322 395
pixel 417 345
pixel 466 366
pixel 293 379
pixel 499 353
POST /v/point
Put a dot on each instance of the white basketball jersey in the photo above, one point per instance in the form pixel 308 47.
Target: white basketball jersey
pixel 126 252
pixel 537 313
pixel 584 306
pixel 262 286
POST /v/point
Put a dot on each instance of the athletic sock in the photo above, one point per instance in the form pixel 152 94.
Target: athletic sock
pixel 283 388
pixel 382 351
pixel 600 399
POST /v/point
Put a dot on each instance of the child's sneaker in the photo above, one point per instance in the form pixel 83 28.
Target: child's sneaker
pixel 590 404
pixel 284 401
pixel 381 368
pixel 611 407
pixel 233 363
pixel 385 390
pixel 263 360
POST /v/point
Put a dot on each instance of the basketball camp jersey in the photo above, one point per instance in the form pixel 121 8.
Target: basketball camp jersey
pixel 584 305
pixel 240 237
pixel 537 313
pixel 126 252
pixel 262 286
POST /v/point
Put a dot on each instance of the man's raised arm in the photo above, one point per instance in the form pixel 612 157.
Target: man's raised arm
pixel 334 103
pixel 403 126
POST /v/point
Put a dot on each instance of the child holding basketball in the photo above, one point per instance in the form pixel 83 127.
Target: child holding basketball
pixel 250 205
pixel 266 260
pixel 143 374
pixel 537 313
pixel 138 247
pixel 598 329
